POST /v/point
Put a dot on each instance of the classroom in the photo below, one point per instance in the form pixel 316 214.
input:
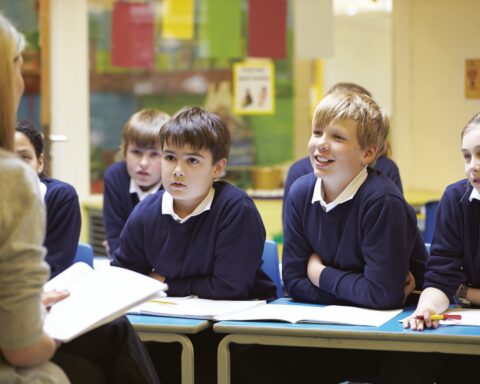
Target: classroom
pixel 96 70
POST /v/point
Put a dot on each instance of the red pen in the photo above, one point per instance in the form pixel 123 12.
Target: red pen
pixel 443 316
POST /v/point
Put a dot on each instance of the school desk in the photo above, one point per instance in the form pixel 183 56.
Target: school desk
pixel 171 330
pixel 389 337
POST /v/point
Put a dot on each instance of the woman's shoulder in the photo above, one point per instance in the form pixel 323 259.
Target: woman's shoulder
pixel 15 173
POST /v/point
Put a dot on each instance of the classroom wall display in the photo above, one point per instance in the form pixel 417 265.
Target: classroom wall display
pixel 472 78
pixel 253 87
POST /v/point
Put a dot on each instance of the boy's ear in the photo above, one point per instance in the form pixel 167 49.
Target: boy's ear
pixel 219 167
pixel 40 162
pixel 369 155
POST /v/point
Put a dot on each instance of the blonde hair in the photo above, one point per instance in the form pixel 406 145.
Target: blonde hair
pixel 348 87
pixel 143 129
pixel 372 123
pixel 472 123
pixel 12 44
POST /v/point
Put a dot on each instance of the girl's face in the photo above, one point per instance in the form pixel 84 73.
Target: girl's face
pixel 19 83
pixel 471 154
pixel 24 148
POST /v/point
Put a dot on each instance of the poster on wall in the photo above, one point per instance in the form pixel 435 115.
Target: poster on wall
pixel 472 78
pixel 254 87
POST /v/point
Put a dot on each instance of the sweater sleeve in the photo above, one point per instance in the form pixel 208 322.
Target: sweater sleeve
pixel 63 229
pixel 22 270
pixel 238 251
pixel 387 240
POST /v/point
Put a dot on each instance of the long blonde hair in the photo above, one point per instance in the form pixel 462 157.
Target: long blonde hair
pixel 12 44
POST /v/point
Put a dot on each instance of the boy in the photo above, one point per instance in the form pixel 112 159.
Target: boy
pixel 350 237
pixel 200 236
pixel 131 180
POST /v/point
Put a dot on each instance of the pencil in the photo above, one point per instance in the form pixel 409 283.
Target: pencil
pixel 444 316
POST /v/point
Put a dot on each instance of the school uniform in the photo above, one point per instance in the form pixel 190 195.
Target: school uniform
pixel 63 224
pixel 216 254
pixel 368 243
pixel 389 169
pixel 119 199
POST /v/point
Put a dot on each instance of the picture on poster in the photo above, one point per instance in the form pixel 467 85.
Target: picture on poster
pixel 253 88
pixel 472 78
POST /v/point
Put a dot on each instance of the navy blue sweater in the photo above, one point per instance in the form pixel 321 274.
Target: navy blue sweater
pixel 63 224
pixel 118 202
pixel 455 250
pixel 368 244
pixel 215 255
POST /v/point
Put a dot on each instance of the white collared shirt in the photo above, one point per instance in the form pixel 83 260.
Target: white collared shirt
pixel 134 188
pixel 474 195
pixel 167 206
pixel 43 189
pixel 347 194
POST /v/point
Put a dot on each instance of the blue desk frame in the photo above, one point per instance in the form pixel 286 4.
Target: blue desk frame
pixel 389 337
pixel 171 330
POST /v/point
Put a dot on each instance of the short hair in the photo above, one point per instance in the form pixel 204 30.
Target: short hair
pixel 143 129
pixel 372 125
pixel 472 123
pixel 12 44
pixel 33 135
pixel 200 129
pixel 348 87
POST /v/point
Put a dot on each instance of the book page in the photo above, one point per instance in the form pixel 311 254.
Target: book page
pixel 332 314
pixel 195 308
pixel 97 298
pixel 68 277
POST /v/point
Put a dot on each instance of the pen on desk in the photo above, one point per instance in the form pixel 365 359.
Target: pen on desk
pixel 444 316
pixel 163 302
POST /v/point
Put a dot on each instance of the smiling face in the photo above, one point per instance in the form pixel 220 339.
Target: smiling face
pixel 188 175
pixel 471 154
pixel 25 149
pixel 336 155
pixel 144 165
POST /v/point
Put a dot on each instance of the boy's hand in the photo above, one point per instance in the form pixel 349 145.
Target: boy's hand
pixel 314 269
pixel 409 286
pixel 52 297
pixel 156 276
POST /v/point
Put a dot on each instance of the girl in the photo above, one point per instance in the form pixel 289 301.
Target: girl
pixel 140 174
pixel 61 201
pixel 453 269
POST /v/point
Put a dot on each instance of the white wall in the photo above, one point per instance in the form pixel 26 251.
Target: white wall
pixel 432 40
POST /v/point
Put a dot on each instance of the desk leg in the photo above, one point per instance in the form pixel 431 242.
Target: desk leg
pixel 223 360
pixel 188 365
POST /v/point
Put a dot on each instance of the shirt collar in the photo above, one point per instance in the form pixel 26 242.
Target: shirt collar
pixel 205 205
pixel 347 194
pixel 134 188
pixel 43 189
pixel 474 195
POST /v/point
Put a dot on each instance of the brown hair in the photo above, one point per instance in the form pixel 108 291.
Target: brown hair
pixel 348 87
pixel 200 129
pixel 360 108
pixel 12 44
pixel 143 129
pixel 472 123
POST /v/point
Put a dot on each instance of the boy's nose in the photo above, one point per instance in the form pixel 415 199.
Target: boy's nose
pixel 144 161
pixel 177 172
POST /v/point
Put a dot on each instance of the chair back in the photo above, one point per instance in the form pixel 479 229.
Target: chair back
pixel 270 265
pixel 84 253
pixel 430 212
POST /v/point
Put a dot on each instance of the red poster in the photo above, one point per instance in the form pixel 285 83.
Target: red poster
pixel 132 35
pixel 267 28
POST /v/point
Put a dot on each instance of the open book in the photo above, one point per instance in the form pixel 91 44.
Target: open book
pixel 194 308
pixel 330 314
pixel 97 296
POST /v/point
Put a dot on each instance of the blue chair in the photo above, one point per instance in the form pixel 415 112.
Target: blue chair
pixel 84 253
pixel 430 212
pixel 270 265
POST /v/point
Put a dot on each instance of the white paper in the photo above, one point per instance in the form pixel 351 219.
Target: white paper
pixel 96 297
pixel 332 314
pixel 470 317
pixel 195 308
